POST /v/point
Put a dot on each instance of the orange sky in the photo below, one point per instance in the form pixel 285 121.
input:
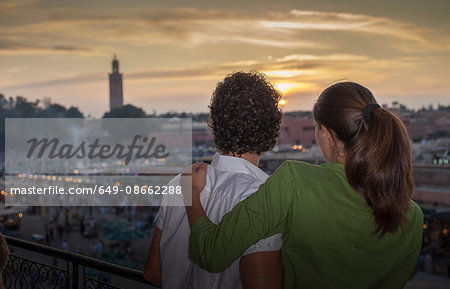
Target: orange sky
pixel 172 55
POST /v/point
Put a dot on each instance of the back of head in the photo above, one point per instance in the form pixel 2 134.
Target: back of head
pixel 377 150
pixel 4 253
pixel 245 116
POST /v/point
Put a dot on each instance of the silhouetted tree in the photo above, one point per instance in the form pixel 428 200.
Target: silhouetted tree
pixel 73 112
pixel 126 111
pixel 20 107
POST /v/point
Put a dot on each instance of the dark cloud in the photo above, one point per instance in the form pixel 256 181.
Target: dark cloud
pixel 11 46
pixel 82 79
pixel 71 48
pixel 151 16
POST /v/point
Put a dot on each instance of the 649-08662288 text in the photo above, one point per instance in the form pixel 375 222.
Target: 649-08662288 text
pixel 96 189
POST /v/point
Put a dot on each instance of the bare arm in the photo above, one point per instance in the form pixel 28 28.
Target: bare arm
pixel 152 269
pixel 261 270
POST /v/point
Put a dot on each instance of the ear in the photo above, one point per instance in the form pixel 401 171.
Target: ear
pixel 327 135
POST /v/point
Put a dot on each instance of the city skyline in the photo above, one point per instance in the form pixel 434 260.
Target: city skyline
pixel 172 55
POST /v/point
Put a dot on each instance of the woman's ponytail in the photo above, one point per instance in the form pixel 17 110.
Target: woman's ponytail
pixel 377 150
pixel 378 165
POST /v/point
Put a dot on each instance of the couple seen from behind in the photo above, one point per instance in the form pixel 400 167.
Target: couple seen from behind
pixel 348 223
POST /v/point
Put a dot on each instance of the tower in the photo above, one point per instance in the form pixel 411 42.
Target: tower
pixel 115 86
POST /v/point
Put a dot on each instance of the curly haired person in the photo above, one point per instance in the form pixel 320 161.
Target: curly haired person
pixel 245 120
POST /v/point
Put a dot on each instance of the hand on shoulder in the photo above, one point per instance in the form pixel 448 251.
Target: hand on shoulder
pixel 194 179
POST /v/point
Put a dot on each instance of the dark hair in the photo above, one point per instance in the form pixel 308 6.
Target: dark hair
pixel 244 115
pixel 377 154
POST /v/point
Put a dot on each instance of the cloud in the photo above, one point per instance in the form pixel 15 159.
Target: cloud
pixel 292 72
pixel 150 75
pixel 8 46
pixel 190 49
pixel 279 68
pixel 14 4
pixel 299 20
pixel 194 28
pixel 75 80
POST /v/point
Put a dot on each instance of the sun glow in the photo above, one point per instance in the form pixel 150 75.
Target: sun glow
pixel 285 73
pixel 285 87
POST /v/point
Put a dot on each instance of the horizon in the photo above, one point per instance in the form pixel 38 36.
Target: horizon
pixel 44 103
pixel 172 55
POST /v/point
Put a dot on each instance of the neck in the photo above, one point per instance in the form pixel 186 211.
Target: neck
pixel 251 157
pixel 340 159
pixel 339 152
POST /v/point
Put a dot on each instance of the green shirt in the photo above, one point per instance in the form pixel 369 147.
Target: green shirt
pixel 328 232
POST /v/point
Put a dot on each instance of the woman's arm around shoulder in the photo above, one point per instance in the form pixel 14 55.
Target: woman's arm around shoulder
pixel 261 215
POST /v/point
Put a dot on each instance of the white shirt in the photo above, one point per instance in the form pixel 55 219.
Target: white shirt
pixel 229 180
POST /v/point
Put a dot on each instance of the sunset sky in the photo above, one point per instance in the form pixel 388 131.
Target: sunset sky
pixel 173 52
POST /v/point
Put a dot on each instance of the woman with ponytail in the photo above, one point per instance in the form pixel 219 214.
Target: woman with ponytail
pixel 349 223
pixel 374 147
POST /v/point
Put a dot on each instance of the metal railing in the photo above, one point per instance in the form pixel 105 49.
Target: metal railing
pixel 79 271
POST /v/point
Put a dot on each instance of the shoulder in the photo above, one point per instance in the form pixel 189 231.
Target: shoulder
pixel 175 181
pixel 296 169
pixel 231 187
pixel 414 218
pixel 299 165
pixel 415 213
pixel 414 227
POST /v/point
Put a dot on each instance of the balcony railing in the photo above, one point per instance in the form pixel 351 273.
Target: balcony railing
pixel 77 271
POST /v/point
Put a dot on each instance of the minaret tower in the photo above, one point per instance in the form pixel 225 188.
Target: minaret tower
pixel 115 86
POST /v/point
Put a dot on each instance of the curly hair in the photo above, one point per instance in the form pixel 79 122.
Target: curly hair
pixel 244 114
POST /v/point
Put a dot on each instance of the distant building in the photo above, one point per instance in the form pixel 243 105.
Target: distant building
pixel 293 131
pixel 202 135
pixel 296 131
pixel 115 86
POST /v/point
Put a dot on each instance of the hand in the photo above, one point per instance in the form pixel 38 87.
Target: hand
pixel 194 177
pixel 197 183
pixel 198 177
